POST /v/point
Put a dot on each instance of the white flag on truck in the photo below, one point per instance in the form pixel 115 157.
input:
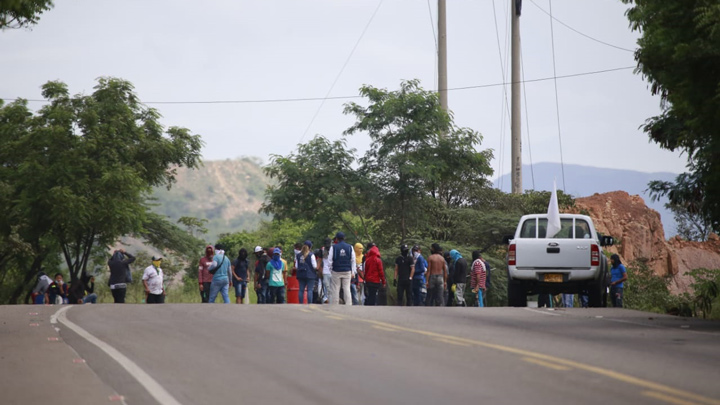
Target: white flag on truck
pixel 553 214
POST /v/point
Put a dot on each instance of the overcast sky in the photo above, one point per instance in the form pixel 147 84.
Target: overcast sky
pixel 242 50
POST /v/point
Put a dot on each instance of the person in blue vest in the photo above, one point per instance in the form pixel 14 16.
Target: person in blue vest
pixel 341 260
pixel 307 272
pixel 418 281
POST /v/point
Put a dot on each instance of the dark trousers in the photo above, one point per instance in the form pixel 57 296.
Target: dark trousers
pixel 616 295
pixel 308 284
pixel 276 295
pixel 371 293
pixel 156 299
pixel 262 292
pixel 119 295
pixel 418 296
pixel 205 293
pixel 404 293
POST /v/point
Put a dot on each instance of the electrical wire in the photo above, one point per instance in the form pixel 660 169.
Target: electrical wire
pixel 435 60
pixel 505 108
pixel 372 17
pixel 557 103
pixel 292 100
pixel 580 33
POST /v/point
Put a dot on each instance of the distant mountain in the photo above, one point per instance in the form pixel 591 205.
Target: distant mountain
pixel 228 193
pixel 583 181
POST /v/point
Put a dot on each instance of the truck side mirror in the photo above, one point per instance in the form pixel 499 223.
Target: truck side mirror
pixel 507 239
pixel 606 240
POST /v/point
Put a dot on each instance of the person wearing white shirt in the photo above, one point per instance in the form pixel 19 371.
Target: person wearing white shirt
pixel 153 282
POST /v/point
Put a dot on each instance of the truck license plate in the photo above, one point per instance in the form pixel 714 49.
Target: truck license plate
pixel 553 278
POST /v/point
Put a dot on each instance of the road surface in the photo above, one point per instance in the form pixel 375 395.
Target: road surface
pixel 292 354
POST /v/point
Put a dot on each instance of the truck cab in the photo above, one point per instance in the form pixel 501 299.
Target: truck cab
pixel 570 262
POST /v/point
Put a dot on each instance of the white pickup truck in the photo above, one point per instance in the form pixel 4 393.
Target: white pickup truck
pixel 571 262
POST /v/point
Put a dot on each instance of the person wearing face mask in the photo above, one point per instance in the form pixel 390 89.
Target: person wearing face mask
pixel 459 272
pixel 240 275
pixel 404 272
pixel 277 269
pixel 204 276
pixel 120 274
pixel 419 288
pixel 58 291
pixel 261 282
pixel 153 280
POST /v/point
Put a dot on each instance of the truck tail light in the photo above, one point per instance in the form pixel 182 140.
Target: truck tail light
pixel 512 254
pixel 594 255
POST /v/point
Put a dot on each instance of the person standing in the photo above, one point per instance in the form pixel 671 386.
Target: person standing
pixel 357 269
pixel 450 289
pixel 120 273
pixel 239 270
pixel 374 275
pixel 261 283
pixel 437 277
pixel 153 280
pixel 404 272
pixel 618 274
pixel 277 270
pixel 342 260
pixel 222 277
pixel 460 271
pixel 419 289
pixel 307 271
pixel 204 276
pixel 477 278
pixel 326 273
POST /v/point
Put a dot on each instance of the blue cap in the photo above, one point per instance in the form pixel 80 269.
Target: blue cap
pixel 340 236
pixel 277 251
pixel 308 243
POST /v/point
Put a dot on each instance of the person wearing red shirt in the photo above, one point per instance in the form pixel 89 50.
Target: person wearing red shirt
pixel 374 274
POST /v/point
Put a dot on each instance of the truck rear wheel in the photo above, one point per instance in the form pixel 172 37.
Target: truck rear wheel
pixel 597 293
pixel 517 296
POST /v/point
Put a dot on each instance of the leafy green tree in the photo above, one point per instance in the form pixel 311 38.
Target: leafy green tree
pixel 82 167
pixel 706 290
pixel 22 13
pixel 686 201
pixel 678 53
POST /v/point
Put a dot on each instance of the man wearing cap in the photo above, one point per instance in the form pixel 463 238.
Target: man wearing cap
pixel 419 291
pixel 261 283
pixel 341 258
pixel 222 278
pixel 153 281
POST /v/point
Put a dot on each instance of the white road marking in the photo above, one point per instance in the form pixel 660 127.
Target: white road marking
pixel 153 387
pixel 538 311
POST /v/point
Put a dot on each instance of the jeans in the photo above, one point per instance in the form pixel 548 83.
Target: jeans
pixel 205 293
pixel 262 291
pixel 460 294
pixel 340 279
pixel 616 295
pixel 584 300
pixel 156 298
pixel 435 291
pixel 276 295
pixel 119 295
pixel 371 293
pixel 220 286
pixel 306 283
pixel 568 300
pixel 404 293
pixel 91 298
pixel 240 289
pixel 480 302
pixel 418 295
pixel 327 287
pixel 353 292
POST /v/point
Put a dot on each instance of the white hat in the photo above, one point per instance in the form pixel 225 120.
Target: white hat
pixel 258 249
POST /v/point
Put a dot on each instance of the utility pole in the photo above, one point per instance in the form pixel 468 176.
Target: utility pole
pixel 442 55
pixel 516 155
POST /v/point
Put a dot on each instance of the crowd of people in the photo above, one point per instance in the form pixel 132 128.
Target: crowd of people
pixel 340 273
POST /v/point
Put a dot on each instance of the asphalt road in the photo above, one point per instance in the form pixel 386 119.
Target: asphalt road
pixel 276 354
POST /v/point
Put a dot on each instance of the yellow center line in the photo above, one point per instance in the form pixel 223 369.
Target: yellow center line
pixel 307 311
pixel 451 341
pixel 339 318
pixel 626 378
pixel 671 400
pixel 384 328
pixel 547 364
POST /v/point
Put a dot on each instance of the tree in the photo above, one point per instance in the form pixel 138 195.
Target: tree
pixel 83 167
pixel 22 13
pixel 686 200
pixel 678 53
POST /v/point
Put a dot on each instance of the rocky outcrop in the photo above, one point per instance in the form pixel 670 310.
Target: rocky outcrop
pixel 639 235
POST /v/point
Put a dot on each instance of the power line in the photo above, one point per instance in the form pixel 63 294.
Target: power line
pixel 557 103
pixel 504 107
pixel 580 33
pixel 304 99
pixel 372 17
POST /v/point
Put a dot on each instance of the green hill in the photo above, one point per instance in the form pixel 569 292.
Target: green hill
pixel 228 193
